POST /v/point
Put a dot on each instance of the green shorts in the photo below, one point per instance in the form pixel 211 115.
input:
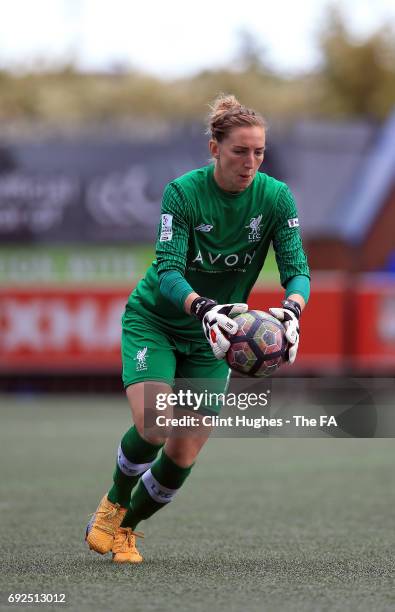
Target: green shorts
pixel 150 353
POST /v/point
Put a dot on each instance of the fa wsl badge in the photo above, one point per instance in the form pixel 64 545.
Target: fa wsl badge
pixel 166 230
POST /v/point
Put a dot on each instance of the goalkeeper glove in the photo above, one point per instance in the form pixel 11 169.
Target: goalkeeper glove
pixel 289 316
pixel 215 320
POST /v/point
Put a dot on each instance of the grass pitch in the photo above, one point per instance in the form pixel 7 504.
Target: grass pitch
pixel 266 524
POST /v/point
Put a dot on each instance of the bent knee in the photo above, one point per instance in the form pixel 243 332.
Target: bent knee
pixel 183 454
pixel 151 437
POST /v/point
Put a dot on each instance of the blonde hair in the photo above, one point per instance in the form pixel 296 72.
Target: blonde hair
pixel 227 113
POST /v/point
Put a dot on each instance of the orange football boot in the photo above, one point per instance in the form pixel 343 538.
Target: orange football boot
pixel 102 527
pixel 124 549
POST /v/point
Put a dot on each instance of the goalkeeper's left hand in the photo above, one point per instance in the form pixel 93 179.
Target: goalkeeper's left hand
pixel 289 316
pixel 217 322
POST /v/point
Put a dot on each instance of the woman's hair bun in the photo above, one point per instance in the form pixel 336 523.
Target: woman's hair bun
pixel 227 113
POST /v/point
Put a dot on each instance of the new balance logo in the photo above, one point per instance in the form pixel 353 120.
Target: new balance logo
pixel 204 227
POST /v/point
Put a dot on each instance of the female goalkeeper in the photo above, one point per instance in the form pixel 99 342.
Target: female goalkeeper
pixel 216 226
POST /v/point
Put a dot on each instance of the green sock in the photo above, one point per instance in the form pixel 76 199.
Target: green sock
pixel 135 455
pixel 156 489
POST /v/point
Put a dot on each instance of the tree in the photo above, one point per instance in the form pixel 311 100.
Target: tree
pixel 358 78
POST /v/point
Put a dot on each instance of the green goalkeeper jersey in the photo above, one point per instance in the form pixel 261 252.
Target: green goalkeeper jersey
pixel 219 242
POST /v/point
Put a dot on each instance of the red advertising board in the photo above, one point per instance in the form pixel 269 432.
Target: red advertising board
pixel 375 321
pixel 77 329
pixel 59 329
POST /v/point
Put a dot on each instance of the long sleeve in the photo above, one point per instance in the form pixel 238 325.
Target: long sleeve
pixel 287 242
pixel 173 231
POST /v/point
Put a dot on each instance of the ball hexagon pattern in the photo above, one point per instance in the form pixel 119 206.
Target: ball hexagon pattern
pixel 259 346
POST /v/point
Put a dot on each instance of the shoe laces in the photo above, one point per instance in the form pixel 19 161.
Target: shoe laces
pixel 111 512
pixel 108 514
pixel 130 535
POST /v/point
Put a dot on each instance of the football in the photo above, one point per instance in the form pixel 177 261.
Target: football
pixel 259 346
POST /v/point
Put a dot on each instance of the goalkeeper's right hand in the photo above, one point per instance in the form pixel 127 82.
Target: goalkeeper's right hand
pixel 215 320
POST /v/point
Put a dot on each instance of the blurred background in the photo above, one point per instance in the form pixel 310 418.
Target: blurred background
pixel 101 104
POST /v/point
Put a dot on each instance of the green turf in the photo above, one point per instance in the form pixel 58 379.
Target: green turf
pixel 263 524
